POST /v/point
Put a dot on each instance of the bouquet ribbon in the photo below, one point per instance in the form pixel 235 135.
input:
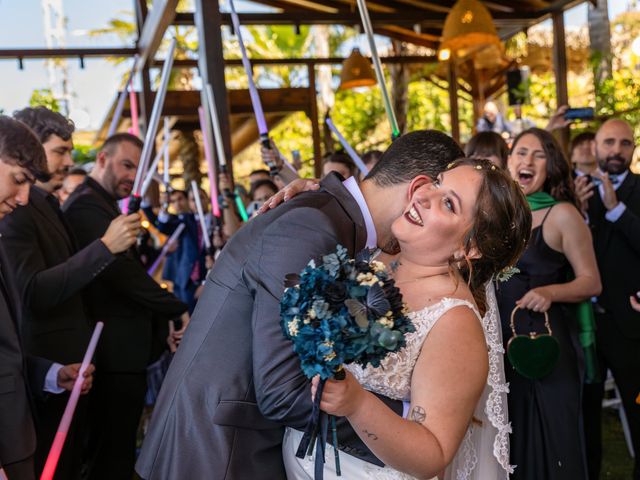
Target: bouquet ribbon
pixel 317 432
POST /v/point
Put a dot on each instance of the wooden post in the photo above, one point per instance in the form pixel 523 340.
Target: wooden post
pixel 453 101
pixel 315 125
pixel 560 69
pixel 210 63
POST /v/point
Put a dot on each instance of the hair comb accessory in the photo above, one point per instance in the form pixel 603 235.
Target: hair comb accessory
pixel 506 273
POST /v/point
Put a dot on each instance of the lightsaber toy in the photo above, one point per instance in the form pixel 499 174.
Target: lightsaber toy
pixel 165 249
pixel 133 105
pixel 117 114
pixel 152 169
pixel 203 225
pixel 253 90
pixel 217 132
pixel 67 416
pixel 348 148
pixel 211 169
pixel 145 156
pixel 368 29
pixel 165 171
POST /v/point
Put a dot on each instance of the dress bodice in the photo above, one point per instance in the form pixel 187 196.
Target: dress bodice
pixel 393 378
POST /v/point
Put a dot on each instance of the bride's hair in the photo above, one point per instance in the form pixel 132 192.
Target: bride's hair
pixel 500 230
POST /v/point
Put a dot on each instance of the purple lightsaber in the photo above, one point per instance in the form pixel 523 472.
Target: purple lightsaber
pixel 348 148
pixel 165 249
pixel 253 90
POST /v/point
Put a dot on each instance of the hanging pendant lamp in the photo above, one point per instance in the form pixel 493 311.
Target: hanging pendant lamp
pixel 356 72
pixel 468 28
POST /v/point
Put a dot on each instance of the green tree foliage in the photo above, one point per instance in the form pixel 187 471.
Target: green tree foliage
pixel 43 97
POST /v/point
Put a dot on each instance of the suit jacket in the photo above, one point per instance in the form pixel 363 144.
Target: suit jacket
pixel 18 377
pixel 179 264
pixel 235 381
pixel 131 304
pixel 50 274
pixel 617 247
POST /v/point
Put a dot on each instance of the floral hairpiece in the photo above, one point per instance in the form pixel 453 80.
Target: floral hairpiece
pixel 477 167
pixel 506 273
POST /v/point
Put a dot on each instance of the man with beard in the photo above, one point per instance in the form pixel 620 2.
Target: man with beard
pixel 135 310
pixel 614 216
pixel 50 273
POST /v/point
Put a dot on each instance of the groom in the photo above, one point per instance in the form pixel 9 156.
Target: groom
pixel 235 382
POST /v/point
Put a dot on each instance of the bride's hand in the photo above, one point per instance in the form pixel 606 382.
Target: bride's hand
pixel 340 397
pixel 287 193
pixel 537 299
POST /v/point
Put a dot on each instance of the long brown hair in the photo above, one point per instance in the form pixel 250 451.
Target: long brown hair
pixel 500 230
pixel 559 183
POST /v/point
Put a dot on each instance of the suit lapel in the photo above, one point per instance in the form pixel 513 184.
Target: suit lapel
pixel 626 189
pixel 332 184
pixel 8 291
pixel 41 205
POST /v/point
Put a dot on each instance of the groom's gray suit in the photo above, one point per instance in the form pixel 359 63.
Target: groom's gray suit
pixel 235 381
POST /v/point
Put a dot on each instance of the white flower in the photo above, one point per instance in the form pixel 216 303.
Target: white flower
pixel 292 326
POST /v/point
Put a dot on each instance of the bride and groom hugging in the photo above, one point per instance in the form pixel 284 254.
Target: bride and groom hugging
pixel 235 397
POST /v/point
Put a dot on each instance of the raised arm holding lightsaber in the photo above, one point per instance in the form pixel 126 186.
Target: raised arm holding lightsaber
pixel 145 156
pixel 368 29
pixel 348 148
pixel 195 190
pixel 117 114
pixel 253 90
pixel 215 124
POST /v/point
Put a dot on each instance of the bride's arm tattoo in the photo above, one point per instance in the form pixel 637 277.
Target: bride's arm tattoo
pixel 370 435
pixel 417 414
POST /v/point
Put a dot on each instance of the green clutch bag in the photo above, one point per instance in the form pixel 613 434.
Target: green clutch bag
pixel 535 355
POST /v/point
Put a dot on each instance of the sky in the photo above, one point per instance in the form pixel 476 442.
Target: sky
pixel 95 86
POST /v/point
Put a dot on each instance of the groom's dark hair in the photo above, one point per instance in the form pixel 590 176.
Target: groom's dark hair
pixel 423 152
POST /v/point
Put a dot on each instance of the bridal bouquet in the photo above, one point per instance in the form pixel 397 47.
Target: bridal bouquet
pixel 337 312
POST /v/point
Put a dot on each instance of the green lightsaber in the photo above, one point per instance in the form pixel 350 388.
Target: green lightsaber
pixel 241 210
pixel 377 65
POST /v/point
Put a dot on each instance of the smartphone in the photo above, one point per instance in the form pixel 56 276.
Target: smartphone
pixel 297 159
pixel 584 113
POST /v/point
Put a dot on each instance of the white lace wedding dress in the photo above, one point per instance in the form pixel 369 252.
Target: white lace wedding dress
pixel 484 453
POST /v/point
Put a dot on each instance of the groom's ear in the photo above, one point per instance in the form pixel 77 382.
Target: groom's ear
pixel 416 183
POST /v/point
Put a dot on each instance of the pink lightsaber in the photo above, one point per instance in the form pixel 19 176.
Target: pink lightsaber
pixel 67 416
pixel 211 168
pixel 133 104
pixel 165 250
pixel 117 114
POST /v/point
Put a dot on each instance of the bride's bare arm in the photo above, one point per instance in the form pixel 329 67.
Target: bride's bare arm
pixel 446 385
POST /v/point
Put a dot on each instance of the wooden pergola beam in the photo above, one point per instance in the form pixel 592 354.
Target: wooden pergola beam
pixel 155 24
pixel 409 16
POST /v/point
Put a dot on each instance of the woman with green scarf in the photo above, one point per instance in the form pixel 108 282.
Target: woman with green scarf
pixel 545 374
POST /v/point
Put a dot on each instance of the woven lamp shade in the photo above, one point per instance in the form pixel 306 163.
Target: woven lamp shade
pixel 468 27
pixel 356 72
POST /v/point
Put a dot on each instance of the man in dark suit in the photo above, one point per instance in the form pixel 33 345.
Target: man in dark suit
pixel 235 381
pixel 135 310
pixel 22 160
pixel 50 274
pixel 614 216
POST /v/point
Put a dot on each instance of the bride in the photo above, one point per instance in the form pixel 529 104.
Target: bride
pixel 455 235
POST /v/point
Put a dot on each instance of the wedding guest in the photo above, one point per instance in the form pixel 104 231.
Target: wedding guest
pixel 581 154
pixel 73 179
pixel 50 272
pixel 184 265
pixel 22 376
pixel 338 162
pixel 260 192
pixel 614 217
pixel 260 174
pixel 492 120
pixel 135 310
pixel 369 158
pixel 488 145
pixel 546 413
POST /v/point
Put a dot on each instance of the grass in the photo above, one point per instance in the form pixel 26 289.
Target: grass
pixel 616 462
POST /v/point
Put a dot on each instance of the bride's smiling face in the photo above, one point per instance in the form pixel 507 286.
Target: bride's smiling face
pixel 434 223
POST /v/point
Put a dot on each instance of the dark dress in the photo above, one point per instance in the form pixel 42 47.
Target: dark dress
pixel 547 440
